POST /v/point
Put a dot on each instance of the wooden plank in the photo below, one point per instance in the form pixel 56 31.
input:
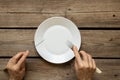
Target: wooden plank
pixel 59 6
pixel 99 20
pixel 99 43
pixel 23 20
pixel 21 5
pixel 94 6
pixel 30 13
pixel 38 69
pixel 96 20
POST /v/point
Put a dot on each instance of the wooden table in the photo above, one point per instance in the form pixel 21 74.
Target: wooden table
pixel 98 21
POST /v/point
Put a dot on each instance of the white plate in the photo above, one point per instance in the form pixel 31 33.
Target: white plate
pixel 50 38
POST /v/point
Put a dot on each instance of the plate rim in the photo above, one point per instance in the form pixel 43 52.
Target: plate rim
pixel 39 28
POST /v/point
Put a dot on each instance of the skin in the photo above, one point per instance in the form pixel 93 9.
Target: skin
pixel 84 65
pixel 16 66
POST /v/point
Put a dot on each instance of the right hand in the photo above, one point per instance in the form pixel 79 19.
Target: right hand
pixel 84 65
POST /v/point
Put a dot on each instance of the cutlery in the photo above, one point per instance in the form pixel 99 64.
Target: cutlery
pixel 70 45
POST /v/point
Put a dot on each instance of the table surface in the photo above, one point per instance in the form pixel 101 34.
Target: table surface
pixel 98 21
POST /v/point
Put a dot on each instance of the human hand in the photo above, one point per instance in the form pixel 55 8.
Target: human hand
pixel 84 65
pixel 16 66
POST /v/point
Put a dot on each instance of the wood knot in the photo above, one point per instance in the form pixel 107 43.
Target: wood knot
pixel 114 15
pixel 67 73
pixel 69 9
pixel 115 75
pixel 111 39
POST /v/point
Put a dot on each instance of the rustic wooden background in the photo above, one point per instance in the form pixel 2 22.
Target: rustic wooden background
pixel 98 21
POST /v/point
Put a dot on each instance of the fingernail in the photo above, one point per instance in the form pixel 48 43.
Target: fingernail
pixel 73 47
pixel 27 51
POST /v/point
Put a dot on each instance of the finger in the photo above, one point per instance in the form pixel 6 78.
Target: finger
pixel 90 62
pixel 75 66
pixel 22 65
pixel 85 58
pixel 22 71
pixel 84 55
pixel 15 58
pixel 27 53
pixel 23 58
pixel 93 64
pixel 77 56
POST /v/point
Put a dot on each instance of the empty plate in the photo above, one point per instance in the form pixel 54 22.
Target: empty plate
pixel 51 36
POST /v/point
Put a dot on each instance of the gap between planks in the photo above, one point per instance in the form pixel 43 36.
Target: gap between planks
pixel 80 28
pixel 36 57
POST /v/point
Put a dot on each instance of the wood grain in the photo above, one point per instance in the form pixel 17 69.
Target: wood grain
pixel 23 20
pixel 59 6
pixel 38 69
pixel 30 13
pixel 96 20
pixel 99 20
pixel 99 43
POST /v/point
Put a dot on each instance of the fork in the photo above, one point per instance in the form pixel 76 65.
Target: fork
pixel 70 45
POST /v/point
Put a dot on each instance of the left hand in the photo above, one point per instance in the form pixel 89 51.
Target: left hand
pixel 16 66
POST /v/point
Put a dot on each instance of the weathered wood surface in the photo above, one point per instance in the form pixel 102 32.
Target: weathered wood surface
pixel 30 13
pixel 99 43
pixel 59 6
pixel 84 13
pixel 38 69
pixel 99 20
